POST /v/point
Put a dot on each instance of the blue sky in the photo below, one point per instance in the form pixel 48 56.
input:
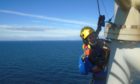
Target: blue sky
pixel 49 19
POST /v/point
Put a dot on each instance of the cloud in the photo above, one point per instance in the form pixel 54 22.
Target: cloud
pixel 23 28
pixel 17 32
pixel 40 32
pixel 45 17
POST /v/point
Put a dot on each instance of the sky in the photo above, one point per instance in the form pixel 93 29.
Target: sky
pixel 50 19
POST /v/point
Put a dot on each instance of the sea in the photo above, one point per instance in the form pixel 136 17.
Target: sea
pixel 43 62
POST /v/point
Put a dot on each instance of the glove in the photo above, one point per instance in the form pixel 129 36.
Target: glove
pixel 83 57
pixel 101 20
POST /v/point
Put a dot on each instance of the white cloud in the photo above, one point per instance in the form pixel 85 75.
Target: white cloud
pixel 38 32
pixel 18 32
pixel 14 32
pixel 23 28
pixel 45 17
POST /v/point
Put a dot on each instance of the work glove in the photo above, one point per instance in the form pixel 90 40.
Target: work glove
pixel 83 57
pixel 101 20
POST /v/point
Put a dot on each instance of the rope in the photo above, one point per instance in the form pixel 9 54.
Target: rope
pixel 98 7
pixel 105 8
pixel 99 11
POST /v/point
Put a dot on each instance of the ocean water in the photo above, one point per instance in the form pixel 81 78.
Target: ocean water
pixel 43 62
pixel 40 62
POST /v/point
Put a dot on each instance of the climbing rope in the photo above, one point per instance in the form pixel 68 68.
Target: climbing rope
pixel 106 13
pixel 98 7
pixel 102 2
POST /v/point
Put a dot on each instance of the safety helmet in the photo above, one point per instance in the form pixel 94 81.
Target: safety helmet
pixel 86 31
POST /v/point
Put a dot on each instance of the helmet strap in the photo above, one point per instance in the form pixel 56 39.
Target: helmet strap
pixel 85 41
pixel 93 43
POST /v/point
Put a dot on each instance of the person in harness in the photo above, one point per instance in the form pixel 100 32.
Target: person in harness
pixel 96 50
